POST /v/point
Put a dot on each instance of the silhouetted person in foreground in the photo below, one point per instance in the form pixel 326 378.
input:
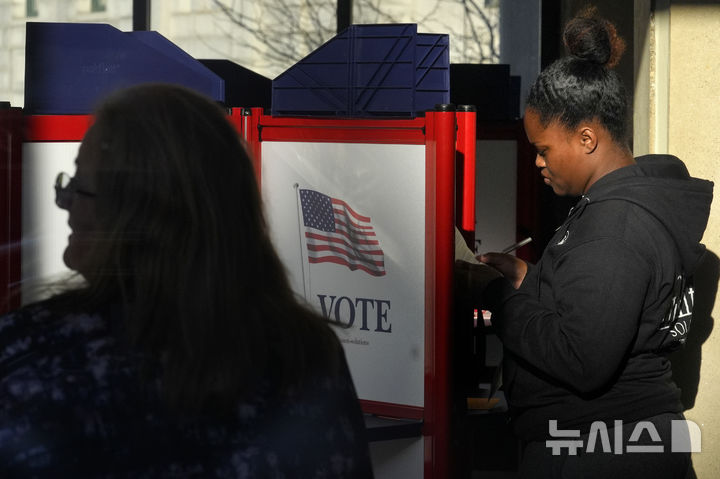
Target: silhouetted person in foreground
pixel 185 353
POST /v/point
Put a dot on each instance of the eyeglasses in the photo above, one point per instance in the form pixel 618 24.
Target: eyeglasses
pixel 65 188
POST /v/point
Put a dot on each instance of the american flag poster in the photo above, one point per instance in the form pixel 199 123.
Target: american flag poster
pixel 336 233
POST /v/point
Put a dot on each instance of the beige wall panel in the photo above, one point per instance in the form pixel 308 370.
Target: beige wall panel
pixel 694 136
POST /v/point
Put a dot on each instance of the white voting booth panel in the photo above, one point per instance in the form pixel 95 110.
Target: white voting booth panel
pixel 45 227
pixel 50 146
pixel 383 312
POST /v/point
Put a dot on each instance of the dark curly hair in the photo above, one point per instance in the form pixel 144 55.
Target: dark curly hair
pixel 583 85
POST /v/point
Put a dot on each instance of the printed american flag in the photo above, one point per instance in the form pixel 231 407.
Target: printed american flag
pixel 335 233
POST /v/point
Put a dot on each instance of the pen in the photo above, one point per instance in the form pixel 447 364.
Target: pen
pixel 517 245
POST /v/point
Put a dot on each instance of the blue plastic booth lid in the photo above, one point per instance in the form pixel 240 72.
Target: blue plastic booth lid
pixel 368 71
pixel 69 67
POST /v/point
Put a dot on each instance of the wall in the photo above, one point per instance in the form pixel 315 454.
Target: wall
pixel 693 125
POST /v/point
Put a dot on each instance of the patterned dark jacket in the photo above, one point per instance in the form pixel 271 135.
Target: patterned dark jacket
pixel 72 406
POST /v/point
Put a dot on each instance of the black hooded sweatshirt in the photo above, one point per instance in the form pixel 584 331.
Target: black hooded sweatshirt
pixel 586 336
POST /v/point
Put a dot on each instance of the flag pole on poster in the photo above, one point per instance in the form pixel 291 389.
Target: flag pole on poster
pixel 301 243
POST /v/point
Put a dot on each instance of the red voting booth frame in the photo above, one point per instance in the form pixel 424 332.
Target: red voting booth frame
pixel 17 129
pixel 449 140
pixel 11 137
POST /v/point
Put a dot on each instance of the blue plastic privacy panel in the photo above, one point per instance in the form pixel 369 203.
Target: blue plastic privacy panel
pixel 368 71
pixel 69 67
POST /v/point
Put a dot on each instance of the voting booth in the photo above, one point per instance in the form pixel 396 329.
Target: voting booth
pixel 357 165
pixel 364 173
pixel 363 215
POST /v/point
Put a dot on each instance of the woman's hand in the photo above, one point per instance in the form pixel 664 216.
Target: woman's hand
pixel 514 269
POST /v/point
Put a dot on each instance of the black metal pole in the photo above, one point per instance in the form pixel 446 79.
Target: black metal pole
pixel 141 15
pixel 344 14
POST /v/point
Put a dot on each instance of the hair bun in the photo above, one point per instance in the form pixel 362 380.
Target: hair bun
pixel 594 39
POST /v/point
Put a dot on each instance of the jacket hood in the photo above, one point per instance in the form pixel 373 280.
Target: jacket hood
pixel 662 185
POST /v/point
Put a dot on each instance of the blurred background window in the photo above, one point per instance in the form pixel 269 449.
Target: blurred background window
pixel 31 8
pixel 269 36
pixel 98 6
